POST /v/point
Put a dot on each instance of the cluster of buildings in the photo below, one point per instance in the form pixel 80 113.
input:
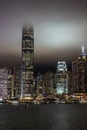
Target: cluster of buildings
pixel 20 81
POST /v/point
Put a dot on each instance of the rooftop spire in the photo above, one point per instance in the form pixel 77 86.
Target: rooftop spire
pixel 83 52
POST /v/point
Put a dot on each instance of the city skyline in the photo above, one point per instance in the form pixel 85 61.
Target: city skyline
pixel 60 30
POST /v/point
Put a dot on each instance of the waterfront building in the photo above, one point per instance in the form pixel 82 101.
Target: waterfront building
pixel 10 88
pixel 12 85
pixel 79 73
pixel 3 83
pixel 17 81
pixel 70 89
pixel 39 85
pixel 61 78
pixel 54 84
pixel 27 70
pixel 48 83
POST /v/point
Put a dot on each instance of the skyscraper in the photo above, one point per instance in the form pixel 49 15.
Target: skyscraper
pixel 27 70
pixel 62 80
pixel 48 83
pixel 79 73
pixel 3 83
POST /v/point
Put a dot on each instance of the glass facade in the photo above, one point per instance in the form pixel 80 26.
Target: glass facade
pixel 27 60
pixel 62 80
pixel 79 73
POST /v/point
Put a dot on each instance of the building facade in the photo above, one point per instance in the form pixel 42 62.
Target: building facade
pixel 61 78
pixel 70 89
pixel 48 83
pixel 27 70
pixel 79 73
pixel 3 83
pixel 17 81
pixel 39 85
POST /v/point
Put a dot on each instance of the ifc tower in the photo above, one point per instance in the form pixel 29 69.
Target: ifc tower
pixel 27 71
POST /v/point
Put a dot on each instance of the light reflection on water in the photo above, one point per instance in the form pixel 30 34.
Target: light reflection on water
pixel 44 117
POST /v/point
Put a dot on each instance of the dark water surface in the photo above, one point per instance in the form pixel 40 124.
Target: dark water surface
pixel 44 117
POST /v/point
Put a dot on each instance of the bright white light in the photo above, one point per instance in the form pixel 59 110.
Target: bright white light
pixel 83 49
pixel 60 89
pixel 60 35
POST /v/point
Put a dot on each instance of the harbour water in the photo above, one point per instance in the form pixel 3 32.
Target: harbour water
pixel 43 117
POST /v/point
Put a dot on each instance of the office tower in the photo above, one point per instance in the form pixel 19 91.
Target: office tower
pixel 10 86
pixel 3 83
pixel 48 83
pixel 79 73
pixel 27 70
pixel 39 85
pixel 61 76
pixel 70 90
pixel 17 81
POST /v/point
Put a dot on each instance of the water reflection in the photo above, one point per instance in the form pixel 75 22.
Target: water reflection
pixel 43 117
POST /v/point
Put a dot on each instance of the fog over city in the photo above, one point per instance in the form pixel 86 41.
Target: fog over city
pixel 60 29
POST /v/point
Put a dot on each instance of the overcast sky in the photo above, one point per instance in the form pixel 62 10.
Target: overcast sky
pixel 60 29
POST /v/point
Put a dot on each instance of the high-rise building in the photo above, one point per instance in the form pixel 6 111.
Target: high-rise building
pixel 48 83
pixel 3 83
pixel 70 89
pixel 17 81
pixel 61 77
pixel 79 73
pixel 39 84
pixel 11 85
pixel 27 70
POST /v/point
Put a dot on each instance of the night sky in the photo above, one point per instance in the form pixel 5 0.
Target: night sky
pixel 60 29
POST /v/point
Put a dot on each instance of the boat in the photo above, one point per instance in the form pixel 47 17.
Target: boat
pixel 13 101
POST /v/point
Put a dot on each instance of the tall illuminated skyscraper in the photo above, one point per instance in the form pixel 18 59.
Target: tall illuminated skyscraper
pixel 27 71
pixel 62 80
pixel 79 73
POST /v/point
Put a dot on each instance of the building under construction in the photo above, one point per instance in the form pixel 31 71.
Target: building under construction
pixel 27 69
